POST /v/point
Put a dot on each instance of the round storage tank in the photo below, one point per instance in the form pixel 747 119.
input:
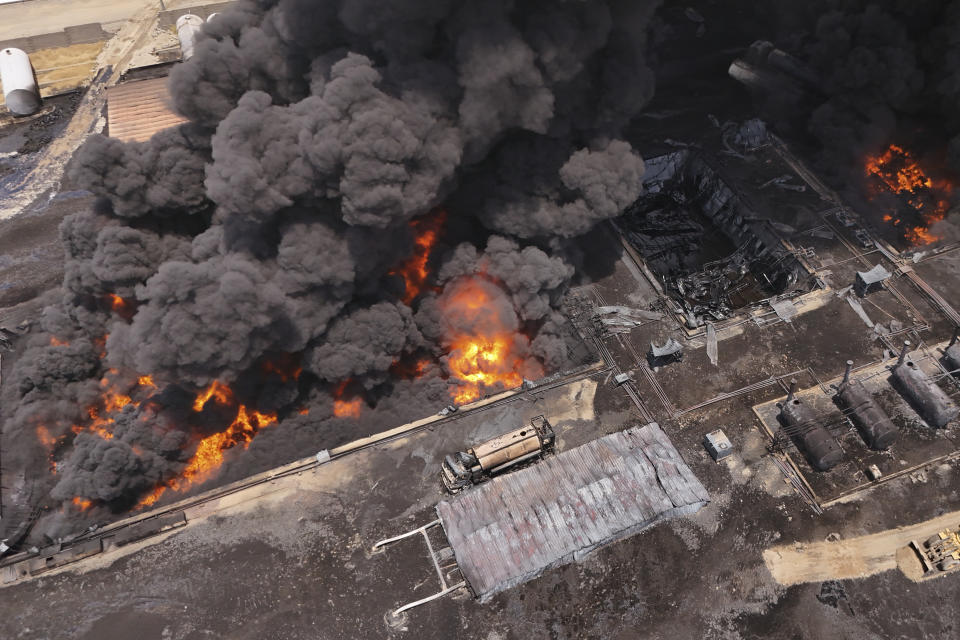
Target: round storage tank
pixel 210 17
pixel 19 86
pixel 188 28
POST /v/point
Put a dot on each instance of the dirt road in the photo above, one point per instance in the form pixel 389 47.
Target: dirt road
pixel 853 558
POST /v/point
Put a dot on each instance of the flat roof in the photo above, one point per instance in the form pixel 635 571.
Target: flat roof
pixel 137 110
pixel 515 527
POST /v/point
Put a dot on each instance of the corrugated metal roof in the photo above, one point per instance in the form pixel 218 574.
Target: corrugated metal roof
pixel 137 110
pixel 514 527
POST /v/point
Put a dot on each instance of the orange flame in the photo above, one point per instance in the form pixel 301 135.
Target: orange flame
pixel 209 453
pixel 486 358
pixel 900 173
pixel 57 342
pixel 345 408
pixel 43 435
pixel 146 381
pixel 120 306
pixel 82 503
pixel 220 392
pixel 414 272
pixel 286 366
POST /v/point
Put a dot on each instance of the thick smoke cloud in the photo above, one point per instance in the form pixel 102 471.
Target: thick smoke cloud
pixel 887 70
pixel 273 226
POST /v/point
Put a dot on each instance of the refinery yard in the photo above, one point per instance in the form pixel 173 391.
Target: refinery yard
pixel 725 406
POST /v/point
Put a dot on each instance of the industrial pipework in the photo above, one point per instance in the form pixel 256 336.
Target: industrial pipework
pixel 19 83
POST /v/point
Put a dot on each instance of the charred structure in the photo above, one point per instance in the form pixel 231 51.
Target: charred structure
pixel 713 254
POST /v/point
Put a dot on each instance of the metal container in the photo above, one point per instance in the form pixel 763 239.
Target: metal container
pixel 951 356
pixel 188 28
pixel 210 17
pixel 19 84
pixel 927 398
pixel 821 450
pixel 873 423
pixel 478 463
pixel 507 447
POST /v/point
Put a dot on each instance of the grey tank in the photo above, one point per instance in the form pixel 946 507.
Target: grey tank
pixel 821 450
pixel 951 356
pixel 927 398
pixel 22 102
pixel 873 423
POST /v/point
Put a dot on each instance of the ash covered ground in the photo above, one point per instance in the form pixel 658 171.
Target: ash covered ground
pixel 305 260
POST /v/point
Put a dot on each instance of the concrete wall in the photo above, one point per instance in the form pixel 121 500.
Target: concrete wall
pixel 80 34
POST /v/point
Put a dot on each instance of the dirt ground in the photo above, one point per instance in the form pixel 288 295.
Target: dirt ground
pixel 36 17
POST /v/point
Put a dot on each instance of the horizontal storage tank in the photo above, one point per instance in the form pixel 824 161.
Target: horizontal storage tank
pixel 927 398
pixel 188 28
pixel 820 448
pixel 873 423
pixel 951 356
pixel 19 84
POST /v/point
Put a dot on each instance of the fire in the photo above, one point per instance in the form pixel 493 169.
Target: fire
pixel 82 503
pixel 217 390
pixel 286 366
pixel 120 306
pixel 486 348
pixel 900 173
pixel 209 452
pixel 414 272
pixel 345 408
pixel 57 342
pixel 146 381
pixel 43 435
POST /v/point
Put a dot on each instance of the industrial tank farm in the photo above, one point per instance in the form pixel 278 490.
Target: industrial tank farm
pixel 494 320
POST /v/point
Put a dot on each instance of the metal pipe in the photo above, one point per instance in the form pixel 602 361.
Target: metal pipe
pixel 953 340
pixel 846 374
pixel 793 388
pixel 903 352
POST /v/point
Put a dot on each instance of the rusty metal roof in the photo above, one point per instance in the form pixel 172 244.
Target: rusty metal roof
pixel 137 110
pixel 516 526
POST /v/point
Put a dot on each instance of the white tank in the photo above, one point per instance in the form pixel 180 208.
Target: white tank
pixel 210 17
pixel 188 28
pixel 19 86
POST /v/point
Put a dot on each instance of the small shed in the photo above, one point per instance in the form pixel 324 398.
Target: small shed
pixel 717 444
pixel 869 281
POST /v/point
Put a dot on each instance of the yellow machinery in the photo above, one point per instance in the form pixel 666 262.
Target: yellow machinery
pixel 478 463
pixel 939 553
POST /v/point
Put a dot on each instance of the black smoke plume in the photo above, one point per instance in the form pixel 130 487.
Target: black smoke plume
pixel 259 244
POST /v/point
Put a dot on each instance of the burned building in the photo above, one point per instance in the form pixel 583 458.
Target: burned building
pixel 712 252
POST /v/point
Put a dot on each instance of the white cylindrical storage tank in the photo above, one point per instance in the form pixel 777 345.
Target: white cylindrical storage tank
pixel 210 17
pixel 188 28
pixel 19 86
